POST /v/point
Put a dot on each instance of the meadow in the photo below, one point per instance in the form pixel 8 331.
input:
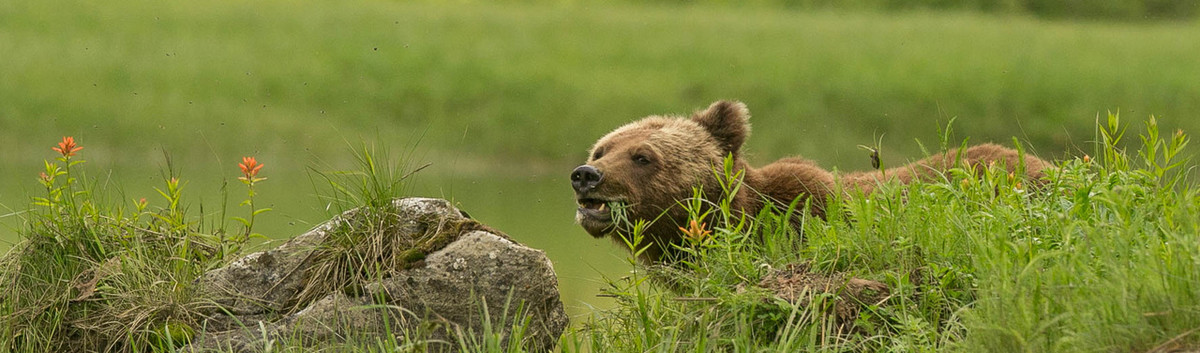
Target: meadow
pixel 1096 256
pixel 502 100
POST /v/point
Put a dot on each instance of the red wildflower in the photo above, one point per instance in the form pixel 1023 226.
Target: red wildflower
pixel 695 231
pixel 67 147
pixel 250 168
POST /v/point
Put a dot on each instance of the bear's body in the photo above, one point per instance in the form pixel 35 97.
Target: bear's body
pixel 650 167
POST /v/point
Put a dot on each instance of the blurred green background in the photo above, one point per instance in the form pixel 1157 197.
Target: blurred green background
pixel 503 99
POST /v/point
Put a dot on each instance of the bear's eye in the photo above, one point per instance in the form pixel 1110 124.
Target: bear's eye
pixel 598 153
pixel 640 159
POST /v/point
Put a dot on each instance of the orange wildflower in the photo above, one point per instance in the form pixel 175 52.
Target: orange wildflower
pixel 250 168
pixel 696 231
pixel 67 147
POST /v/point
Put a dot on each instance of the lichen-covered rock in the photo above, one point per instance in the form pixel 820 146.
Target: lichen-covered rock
pixel 441 293
pixel 262 282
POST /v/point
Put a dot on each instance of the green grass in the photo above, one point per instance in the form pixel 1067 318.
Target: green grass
pixel 542 82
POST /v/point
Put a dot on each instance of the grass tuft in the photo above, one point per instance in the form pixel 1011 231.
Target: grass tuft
pixel 365 244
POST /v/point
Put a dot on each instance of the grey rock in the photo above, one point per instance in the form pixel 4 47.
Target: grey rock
pixel 434 304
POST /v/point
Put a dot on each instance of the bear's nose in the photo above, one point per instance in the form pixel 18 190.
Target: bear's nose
pixel 585 178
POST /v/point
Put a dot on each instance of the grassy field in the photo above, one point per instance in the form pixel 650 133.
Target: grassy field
pixel 539 83
pixel 503 100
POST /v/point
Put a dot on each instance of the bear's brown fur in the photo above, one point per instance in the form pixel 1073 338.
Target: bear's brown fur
pixel 650 166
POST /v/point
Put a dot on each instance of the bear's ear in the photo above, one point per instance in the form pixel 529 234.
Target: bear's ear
pixel 728 122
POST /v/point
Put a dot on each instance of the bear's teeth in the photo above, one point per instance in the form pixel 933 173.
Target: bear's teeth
pixel 601 207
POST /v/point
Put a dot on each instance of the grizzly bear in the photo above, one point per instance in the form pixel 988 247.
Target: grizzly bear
pixel 649 167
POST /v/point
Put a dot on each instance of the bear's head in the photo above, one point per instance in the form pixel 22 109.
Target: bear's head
pixel 648 166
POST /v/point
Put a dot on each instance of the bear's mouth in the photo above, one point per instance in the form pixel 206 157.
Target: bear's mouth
pixel 600 205
pixel 595 215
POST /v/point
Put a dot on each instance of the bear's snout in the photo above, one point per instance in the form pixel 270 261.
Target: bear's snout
pixel 585 178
